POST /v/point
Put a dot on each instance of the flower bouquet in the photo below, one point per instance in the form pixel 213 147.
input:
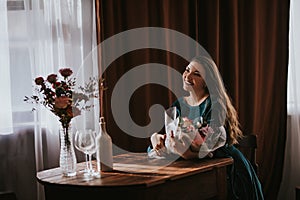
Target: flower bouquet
pixel 195 135
pixel 60 97
pixel 192 132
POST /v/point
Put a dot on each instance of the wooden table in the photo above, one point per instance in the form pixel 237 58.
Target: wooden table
pixel 136 176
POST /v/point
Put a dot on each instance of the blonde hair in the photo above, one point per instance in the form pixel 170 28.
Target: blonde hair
pixel 216 89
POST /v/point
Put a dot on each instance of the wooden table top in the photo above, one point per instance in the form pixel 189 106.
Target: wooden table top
pixel 135 169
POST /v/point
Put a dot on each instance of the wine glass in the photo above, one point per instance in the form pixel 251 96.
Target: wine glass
pixel 90 152
pixel 85 142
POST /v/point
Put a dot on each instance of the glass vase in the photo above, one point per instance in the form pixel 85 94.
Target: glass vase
pixel 67 157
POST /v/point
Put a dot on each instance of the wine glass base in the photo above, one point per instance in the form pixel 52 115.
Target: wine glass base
pixel 96 174
pixel 69 174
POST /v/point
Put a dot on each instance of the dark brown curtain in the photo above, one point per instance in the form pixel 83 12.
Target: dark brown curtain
pixel 247 39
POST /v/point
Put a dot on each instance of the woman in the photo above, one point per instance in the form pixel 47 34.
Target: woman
pixel 218 131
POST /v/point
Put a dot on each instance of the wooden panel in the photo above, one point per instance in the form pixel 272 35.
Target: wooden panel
pixel 200 186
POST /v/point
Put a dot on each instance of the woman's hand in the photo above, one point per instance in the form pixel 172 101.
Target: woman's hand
pixel 185 146
pixel 196 143
pixel 158 143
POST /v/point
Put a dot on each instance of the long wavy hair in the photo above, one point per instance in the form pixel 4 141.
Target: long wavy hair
pixel 215 88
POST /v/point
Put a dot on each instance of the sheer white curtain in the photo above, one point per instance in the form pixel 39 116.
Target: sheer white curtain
pixel 37 39
pixel 291 172
pixel 5 105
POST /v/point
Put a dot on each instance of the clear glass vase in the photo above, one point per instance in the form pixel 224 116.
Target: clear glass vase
pixel 67 158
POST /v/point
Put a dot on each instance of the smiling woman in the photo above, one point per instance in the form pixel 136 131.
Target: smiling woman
pixel 208 106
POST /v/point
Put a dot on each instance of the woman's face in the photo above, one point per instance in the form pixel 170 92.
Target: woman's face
pixel 193 77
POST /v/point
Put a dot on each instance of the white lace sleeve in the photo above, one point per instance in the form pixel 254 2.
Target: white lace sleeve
pixel 213 142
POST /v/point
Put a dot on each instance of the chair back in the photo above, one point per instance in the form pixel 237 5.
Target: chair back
pixel 248 145
pixel 8 195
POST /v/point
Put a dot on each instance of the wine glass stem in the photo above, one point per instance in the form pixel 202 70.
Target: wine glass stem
pixel 87 162
pixel 90 163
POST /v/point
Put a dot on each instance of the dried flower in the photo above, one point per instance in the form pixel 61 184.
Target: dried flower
pixel 52 78
pixel 62 102
pixel 66 72
pixel 60 97
pixel 39 80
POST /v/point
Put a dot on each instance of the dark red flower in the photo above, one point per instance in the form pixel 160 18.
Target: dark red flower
pixel 39 80
pixel 65 72
pixel 52 78
pixel 56 84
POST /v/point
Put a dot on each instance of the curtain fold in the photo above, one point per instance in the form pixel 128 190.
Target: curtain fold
pixel 247 39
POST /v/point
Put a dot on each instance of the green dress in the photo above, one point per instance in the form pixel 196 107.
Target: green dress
pixel 243 182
